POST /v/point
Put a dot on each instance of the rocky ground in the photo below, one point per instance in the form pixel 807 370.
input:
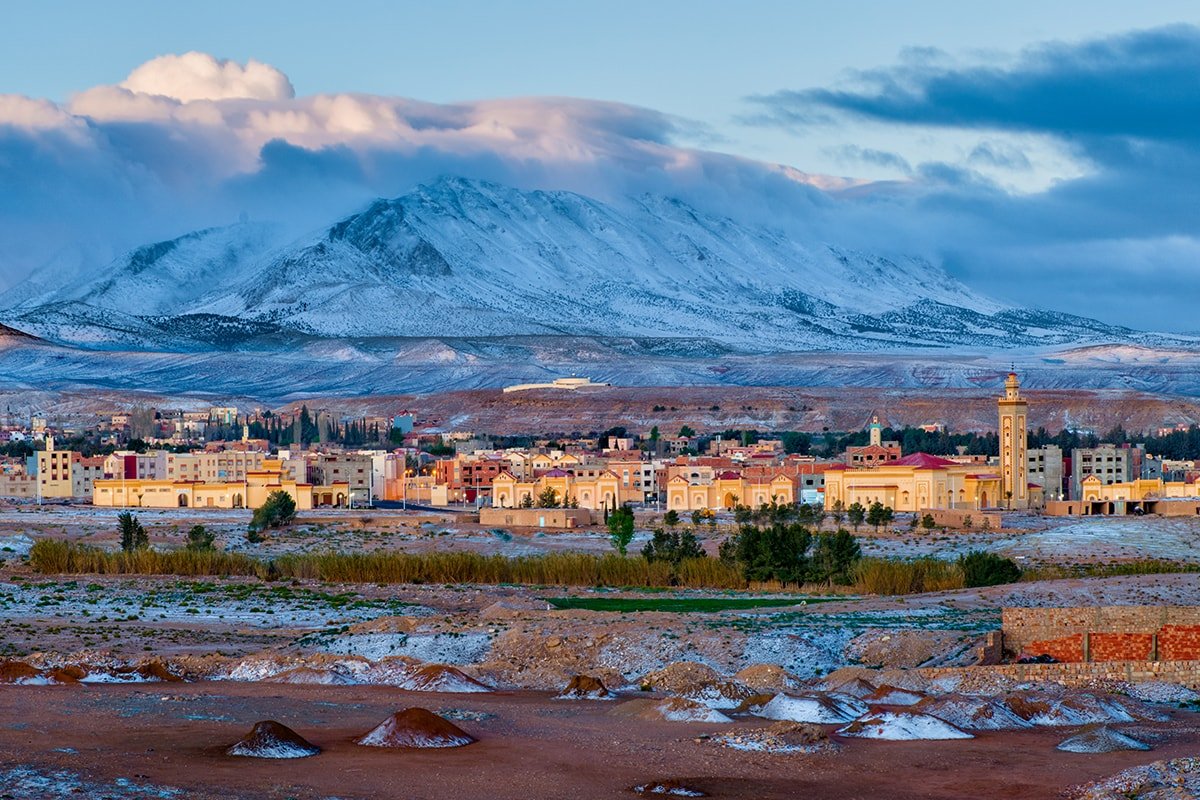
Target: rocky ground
pixel 133 687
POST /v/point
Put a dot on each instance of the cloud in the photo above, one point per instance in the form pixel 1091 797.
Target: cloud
pixel 192 141
pixel 1139 85
pixel 199 76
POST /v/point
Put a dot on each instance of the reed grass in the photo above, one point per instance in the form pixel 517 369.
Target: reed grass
pixel 554 569
pixel 886 576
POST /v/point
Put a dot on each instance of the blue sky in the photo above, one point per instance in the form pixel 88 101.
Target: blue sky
pixel 942 110
pixel 699 59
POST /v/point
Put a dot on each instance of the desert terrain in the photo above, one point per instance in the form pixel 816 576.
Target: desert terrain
pixel 133 686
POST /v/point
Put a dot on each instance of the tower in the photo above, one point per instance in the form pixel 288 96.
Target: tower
pixel 1014 466
pixel 876 432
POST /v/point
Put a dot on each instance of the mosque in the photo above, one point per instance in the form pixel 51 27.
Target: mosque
pixel 923 482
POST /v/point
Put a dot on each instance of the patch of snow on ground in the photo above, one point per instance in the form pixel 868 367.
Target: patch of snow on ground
pixel 823 709
pixel 904 726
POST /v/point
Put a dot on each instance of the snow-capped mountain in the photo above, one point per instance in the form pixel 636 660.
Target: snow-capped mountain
pixel 472 259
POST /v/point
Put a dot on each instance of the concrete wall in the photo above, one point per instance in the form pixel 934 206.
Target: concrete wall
pixel 557 518
pixel 957 518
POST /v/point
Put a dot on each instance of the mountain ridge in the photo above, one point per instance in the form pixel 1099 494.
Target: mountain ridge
pixel 476 259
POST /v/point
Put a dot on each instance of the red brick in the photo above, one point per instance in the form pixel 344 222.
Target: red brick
pixel 1066 648
pixel 1120 646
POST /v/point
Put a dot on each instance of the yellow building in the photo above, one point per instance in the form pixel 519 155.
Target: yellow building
pixel 251 492
pixel 595 493
pixel 917 482
pixel 728 490
pixel 1014 434
pixel 1095 491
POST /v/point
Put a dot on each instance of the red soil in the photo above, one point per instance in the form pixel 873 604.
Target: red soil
pixel 416 727
pixel 533 747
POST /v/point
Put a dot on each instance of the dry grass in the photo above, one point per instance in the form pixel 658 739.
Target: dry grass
pixel 873 575
pixel 555 569
pixel 889 577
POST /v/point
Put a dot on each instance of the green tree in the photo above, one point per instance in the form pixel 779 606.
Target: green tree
pixel 697 517
pixel 968 523
pixel 672 546
pixel 687 432
pixel 548 498
pixel 133 535
pixel 928 522
pixel 777 552
pixel 838 513
pixel 620 528
pixel 200 539
pixel 277 510
pixel 875 515
pixel 671 518
pixel 856 514
pixel 526 501
pixel 834 557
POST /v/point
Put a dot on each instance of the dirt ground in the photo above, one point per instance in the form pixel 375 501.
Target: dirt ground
pixel 153 739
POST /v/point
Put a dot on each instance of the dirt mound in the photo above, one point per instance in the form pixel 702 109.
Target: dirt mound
pixel 901 726
pixel 682 676
pixel 724 694
pixel 1041 708
pixel 672 709
pixel 312 677
pixel 270 739
pixel 73 673
pixel 900 678
pixel 585 687
pixel 1100 739
pixel 782 737
pixel 416 727
pixel 669 788
pixel 972 713
pixel 514 608
pixel 389 671
pixel 813 708
pixel 767 678
pixel 156 670
pixel 18 672
pixel 906 649
pixel 892 696
pixel 442 678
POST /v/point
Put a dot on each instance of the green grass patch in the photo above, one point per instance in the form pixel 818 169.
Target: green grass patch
pixel 680 605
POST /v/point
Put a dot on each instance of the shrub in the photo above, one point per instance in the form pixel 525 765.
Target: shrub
pixel 200 538
pixel 276 511
pixel 980 568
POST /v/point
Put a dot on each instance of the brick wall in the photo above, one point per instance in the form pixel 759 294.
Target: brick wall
pixel 1064 648
pixel 1104 633
pixel 1186 673
pixel 1177 642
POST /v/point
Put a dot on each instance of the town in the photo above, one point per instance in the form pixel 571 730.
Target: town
pixel 226 458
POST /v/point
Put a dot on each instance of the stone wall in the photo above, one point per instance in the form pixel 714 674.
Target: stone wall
pixel 1104 633
pixel 1186 673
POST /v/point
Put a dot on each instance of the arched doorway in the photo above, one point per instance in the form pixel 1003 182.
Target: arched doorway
pixel 237 501
pixel 983 500
pixel 340 500
pixel 731 500
pixel 183 501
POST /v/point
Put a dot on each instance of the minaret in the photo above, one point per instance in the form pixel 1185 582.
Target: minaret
pixel 876 432
pixel 1014 466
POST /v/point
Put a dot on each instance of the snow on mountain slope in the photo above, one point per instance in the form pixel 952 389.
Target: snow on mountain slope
pixel 472 259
